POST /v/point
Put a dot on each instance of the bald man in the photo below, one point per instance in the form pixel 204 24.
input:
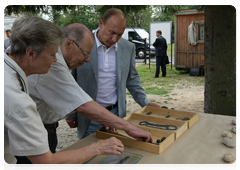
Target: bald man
pixel 57 94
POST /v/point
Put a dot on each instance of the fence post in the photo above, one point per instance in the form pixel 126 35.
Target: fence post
pixel 149 49
pixel 145 53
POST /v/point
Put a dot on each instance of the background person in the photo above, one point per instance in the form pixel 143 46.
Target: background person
pixel 111 70
pixel 160 45
pixel 34 43
pixel 7 40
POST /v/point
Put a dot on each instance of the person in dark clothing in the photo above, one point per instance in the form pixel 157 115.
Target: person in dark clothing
pixel 160 45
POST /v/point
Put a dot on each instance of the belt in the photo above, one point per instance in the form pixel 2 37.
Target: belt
pixel 112 106
pixel 51 126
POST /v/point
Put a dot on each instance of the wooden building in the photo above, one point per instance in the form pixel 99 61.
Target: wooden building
pixel 188 56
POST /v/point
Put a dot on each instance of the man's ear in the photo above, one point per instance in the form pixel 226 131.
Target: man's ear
pixel 101 23
pixel 68 44
pixel 31 54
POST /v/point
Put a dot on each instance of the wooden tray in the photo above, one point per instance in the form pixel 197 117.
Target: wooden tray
pixel 129 141
pixel 136 118
pixel 169 114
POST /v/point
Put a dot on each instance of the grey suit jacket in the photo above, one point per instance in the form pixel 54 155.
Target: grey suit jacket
pixel 127 77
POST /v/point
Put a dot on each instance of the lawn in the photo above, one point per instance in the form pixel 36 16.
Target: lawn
pixel 169 50
pixel 165 85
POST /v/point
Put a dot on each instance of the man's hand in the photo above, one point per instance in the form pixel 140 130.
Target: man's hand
pixel 139 134
pixel 110 128
pixel 111 146
pixel 153 105
pixel 72 123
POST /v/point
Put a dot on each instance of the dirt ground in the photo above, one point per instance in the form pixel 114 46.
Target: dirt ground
pixel 181 98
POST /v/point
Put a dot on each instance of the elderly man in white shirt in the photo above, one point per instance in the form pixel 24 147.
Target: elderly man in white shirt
pixel 57 94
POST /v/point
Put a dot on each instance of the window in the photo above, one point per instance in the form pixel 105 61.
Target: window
pixel 199 25
pixel 133 35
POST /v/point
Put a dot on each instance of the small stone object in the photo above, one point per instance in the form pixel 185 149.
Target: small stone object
pixel 163 138
pixel 159 141
pixel 234 121
pixel 228 158
pixel 228 142
pixel 234 129
pixel 227 134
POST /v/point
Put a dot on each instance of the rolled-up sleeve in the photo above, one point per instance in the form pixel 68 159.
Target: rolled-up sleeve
pixel 60 91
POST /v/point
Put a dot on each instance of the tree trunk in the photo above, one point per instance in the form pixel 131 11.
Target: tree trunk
pixel 220 60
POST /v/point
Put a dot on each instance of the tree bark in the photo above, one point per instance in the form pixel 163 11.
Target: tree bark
pixel 220 60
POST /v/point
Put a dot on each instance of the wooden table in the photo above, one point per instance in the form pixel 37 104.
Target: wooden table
pixel 201 144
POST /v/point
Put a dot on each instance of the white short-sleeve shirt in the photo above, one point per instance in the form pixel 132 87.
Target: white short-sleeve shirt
pixel 24 132
pixel 56 93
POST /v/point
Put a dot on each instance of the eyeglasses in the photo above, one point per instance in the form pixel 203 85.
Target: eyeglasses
pixel 85 54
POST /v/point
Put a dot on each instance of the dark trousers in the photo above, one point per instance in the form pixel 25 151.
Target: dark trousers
pixel 52 141
pixel 160 61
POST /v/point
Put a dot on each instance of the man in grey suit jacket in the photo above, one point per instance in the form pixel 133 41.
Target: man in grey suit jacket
pixel 111 70
pixel 160 45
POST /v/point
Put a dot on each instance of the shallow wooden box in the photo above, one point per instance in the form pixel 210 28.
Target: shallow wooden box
pixel 129 141
pixel 156 133
pixel 169 114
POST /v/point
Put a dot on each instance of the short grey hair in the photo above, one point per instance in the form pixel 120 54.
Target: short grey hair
pixel 35 33
pixel 77 32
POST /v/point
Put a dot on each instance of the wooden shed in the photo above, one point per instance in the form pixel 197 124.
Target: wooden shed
pixel 188 56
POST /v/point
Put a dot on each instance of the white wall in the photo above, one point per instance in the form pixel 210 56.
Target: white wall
pixel 164 26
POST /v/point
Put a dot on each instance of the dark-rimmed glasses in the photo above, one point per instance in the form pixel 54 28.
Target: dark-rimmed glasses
pixel 85 54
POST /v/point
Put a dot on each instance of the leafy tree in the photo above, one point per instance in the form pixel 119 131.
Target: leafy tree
pixel 85 14
pixel 140 19
pixel 60 15
pixel 125 8
pixel 17 9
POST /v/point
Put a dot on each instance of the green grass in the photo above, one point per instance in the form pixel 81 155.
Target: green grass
pixel 164 85
pixel 155 90
pixel 169 50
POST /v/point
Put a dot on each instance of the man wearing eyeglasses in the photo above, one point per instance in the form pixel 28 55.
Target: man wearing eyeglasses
pixel 57 94
pixel 110 71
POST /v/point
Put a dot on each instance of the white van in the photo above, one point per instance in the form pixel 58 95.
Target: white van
pixel 137 36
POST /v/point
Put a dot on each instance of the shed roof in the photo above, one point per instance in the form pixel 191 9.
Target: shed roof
pixel 189 11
